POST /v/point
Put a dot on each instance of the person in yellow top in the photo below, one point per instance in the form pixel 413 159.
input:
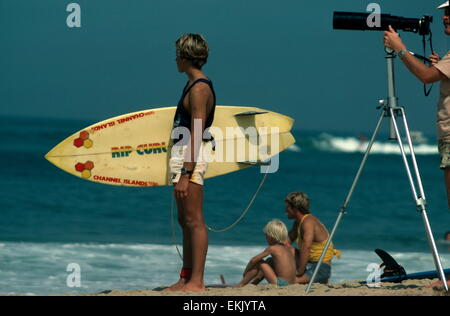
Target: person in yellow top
pixel 311 236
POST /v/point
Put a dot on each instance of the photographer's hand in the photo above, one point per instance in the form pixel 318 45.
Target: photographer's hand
pixel 424 73
pixel 434 58
pixel 393 41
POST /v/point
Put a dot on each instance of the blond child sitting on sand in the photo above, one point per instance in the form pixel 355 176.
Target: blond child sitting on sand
pixel 282 268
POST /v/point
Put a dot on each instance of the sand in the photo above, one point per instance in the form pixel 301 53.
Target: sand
pixel 406 288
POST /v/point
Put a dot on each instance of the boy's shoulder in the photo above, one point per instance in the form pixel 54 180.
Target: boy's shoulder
pixel 278 249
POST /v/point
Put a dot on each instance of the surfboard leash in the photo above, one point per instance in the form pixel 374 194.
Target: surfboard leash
pixel 237 221
pixel 172 221
pixel 244 213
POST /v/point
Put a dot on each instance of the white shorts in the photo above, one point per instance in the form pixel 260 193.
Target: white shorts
pixel 176 162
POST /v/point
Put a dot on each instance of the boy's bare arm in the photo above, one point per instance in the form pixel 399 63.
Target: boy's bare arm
pixel 308 238
pixel 258 258
pixel 198 99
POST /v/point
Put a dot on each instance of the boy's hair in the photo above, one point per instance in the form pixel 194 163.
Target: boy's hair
pixel 276 230
pixel 193 47
pixel 299 201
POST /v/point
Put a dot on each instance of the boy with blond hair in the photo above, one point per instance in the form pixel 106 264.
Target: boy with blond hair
pixel 281 270
pixel 187 169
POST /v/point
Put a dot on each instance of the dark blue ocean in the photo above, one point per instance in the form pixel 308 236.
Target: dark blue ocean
pixel 121 238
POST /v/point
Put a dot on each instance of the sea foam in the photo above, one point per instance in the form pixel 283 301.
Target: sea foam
pixel 41 268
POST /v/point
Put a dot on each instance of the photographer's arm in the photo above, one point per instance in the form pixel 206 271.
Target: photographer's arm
pixel 424 73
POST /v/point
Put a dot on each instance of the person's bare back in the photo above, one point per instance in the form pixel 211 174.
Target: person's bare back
pixel 320 233
pixel 281 267
pixel 283 262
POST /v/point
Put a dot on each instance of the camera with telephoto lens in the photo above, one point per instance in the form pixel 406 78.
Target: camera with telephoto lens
pixel 359 21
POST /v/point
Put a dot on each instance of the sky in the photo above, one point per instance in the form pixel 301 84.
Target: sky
pixel 282 56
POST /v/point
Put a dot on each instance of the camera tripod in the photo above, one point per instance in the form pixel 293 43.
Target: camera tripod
pixel 391 110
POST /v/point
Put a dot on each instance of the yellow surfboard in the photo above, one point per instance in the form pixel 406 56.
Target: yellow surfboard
pixel 134 149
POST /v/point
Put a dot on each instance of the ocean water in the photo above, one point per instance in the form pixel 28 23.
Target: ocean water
pixel 122 238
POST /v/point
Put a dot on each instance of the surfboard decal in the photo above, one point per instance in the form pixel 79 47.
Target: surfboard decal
pixel 123 151
pixel 124 182
pixel 83 140
pixel 85 169
pixel 144 149
pixel 121 120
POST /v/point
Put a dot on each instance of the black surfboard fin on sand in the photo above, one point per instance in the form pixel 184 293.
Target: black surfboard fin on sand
pixel 391 267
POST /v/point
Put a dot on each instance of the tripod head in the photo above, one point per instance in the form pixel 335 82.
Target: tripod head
pixel 392 100
pixel 389 51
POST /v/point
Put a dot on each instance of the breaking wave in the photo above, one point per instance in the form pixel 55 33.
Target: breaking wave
pixel 351 144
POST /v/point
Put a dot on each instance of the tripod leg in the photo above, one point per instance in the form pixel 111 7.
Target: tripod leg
pixel 403 154
pixel 413 156
pixel 420 200
pixel 343 209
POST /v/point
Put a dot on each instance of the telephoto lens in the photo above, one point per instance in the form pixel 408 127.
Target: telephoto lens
pixel 359 21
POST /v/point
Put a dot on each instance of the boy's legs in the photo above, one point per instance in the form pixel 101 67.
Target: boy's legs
pixel 195 236
pixel 258 273
pixel 249 277
pixel 190 218
pixel 269 273
pixel 195 239
pixel 187 247
pixel 187 243
pixel 258 278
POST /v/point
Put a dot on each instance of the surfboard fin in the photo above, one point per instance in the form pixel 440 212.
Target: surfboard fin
pixel 391 267
pixel 255 163
pixel 248 113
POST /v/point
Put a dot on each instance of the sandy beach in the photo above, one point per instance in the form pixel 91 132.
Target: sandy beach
pixel 406 288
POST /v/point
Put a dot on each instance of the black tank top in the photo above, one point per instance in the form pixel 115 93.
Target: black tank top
pixel 183 117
